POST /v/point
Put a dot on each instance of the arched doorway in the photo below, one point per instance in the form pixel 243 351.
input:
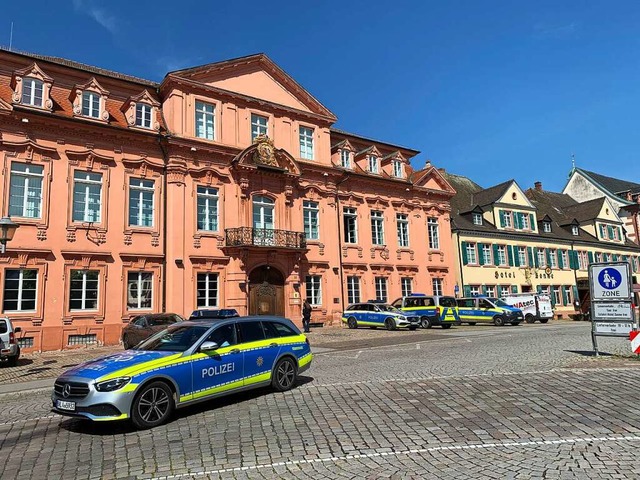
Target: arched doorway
pixel 266 291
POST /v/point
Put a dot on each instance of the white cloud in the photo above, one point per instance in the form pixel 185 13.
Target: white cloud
pixel 98 13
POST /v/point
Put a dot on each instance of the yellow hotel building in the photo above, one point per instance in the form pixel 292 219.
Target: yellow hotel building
pixel 510 240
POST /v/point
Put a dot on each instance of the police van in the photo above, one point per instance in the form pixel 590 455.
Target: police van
pixel 432 309
pixel 479 309
pixel 534 306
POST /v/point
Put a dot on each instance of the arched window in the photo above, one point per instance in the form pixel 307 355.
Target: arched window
pixel 263 224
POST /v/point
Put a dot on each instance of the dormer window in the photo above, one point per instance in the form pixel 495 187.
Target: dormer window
pixel 397 169
pixel 373 164
pixel 140 111
pixel 574 230
pixel 32 88
pixel 546 227
pixel 477 219
pixel 345 158
pixel 91 104
pixel 89 101
pixel 143 115
pixel 32 92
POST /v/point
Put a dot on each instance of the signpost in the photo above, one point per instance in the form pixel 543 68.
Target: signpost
pixel 611 301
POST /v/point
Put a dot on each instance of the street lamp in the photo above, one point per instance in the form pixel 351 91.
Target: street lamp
pixel 7 231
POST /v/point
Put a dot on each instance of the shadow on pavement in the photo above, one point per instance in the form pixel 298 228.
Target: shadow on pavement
pixel 589 353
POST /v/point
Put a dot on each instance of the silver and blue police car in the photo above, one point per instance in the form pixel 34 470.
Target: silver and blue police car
pixel 186 363
pixel 376 314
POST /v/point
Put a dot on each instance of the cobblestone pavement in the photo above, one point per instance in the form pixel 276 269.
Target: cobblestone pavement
pixel 507 402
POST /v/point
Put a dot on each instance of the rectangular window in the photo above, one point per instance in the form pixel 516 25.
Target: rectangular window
pixel 474 290
pixel 311 214
pixel 434 233
pixel 32 92
pixel 207 285
pixel 313 285
pixel 522 256
pixel 567 294
pixel 402 222
pixel 83 339
pixel 139 290
pixel 471 253
pixel 350 218
pixel 87 197
pixel 546 227
pixel 574 230
pixel 258 126
pixel 306 143
pixel 373 164
pixel 504 290
pixel 507 219
pixel 477 219
pixel 91 104
pixel 542 262
pixel 490 290
pixel 406 284
pixel 583 260
pixel 436 285
pixel 20 289
pixel 377 228
pixel 143 115
pixel 502 255
pixel 141 194
pixel 381 288
pixel 207 208
pixel 556 295
pixel 353 290
pixel 565 259
pixel 205 120
pixel 83 290
pixel 553 259
pixel 397 169
pixel 524 221
pixel 25 191
pixel 345 158
pixel 486 254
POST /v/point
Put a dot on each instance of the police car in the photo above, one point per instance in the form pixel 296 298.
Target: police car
pixel 374 314
pixel 478 309
pixel 432 309
pixel 184 364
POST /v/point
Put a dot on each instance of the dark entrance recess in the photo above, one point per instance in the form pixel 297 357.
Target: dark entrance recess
pixel 266 291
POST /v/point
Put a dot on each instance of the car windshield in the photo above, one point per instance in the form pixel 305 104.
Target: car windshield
pixel 388 308
pixel 499 303
pixel 177 338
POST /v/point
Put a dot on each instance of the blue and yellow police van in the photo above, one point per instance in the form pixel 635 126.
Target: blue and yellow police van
pixel 432 309
pixel 481 309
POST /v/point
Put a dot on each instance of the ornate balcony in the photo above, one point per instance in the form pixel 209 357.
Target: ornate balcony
pixel 264 237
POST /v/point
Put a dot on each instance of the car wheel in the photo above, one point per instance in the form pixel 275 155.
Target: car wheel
pixel 351 323
pixel 390 324
pixel 425 322
pixel 284 374
pixel 530 318
pixel 152 406
pixel 515 324
pixel 446 325
pixel 544 320
pixel 498 321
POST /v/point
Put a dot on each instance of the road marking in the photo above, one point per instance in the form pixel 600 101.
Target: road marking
pixel 430 450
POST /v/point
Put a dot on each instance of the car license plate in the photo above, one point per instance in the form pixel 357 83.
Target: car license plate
pixel 69 406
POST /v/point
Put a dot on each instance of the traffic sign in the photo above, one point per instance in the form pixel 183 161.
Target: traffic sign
pixel 613 329
pixel 635 341
pixel 612 311
pixel 610 281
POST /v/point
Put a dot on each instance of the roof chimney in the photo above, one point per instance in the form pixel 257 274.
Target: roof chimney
pixel 538 186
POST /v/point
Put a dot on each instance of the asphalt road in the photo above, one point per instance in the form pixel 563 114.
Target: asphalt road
pixel 483 402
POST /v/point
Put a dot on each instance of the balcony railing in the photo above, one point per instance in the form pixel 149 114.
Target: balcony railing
pixel 264 237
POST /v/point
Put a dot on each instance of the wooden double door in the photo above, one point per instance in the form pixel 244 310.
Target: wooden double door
pixel 266 292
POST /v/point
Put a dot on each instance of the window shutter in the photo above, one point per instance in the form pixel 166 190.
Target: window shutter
pixel 484 289
pixel 532 222
pixel 539 288
pixel 516 220
pixel 620 233
pixel 516 257
pixel 590 257
pixel 535 258
pixel 615 257
pixel 514 289
pixel 510 255
pixel 495 254
pixel 575 294
pixel 501 215
pixel 573 260
pixel 547 253
pixel 530 254
pixel 480 254
pixel 467 290
pixel 565 298
pixel 553 297
pixel 560 262
pixel 465 257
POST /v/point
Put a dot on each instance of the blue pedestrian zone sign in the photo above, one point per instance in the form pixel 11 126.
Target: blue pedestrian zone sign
pixel 610 281
pixel 609 278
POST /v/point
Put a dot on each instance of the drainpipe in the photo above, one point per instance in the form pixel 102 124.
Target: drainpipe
pixel 340 267
pixel 461 291
pixel 165 182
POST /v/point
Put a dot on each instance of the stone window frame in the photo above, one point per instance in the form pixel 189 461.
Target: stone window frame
pixel 35 72
pixel 129 110
pixel 77 96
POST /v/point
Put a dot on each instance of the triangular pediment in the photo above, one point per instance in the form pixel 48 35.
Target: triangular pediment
pixel 432 179
pixel 258 77
pixel 513 195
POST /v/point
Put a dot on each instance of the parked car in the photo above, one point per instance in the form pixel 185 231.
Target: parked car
pixel 474 310
pixel 432 309
pixel 374 314
pixel 143 326
pixel 534 306
pixel 184 364
pixel 9 348
pixel 214 314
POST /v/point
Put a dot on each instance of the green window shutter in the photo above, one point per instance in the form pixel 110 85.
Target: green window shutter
pixel 467 290
pixel 535 258
pixel 465 257
pixel 501 215
pixel 610 231
pixel 484 289
pixel 575 294
pixel 516 257
pixel 547 252
pixel 539 288
pixel 510 255
pixel 565 298
pixel 516 220
pixel 615 257
pixel 530 255
pixel 532 222
pixel 514 289
pixel 553 297
pixel 560 259
pixel 480 255
pixel 620 233
pixel 495 254
pixel 590 257
pixel 625 258
pixel 573 260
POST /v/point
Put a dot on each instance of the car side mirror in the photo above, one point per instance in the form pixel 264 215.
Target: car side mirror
pixel 17 330
pixel 209 346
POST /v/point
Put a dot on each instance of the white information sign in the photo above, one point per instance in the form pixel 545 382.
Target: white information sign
pixel 610 282
pixel 616 328
pixel 612 311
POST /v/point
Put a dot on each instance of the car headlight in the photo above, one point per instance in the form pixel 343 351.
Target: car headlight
pixel 113 384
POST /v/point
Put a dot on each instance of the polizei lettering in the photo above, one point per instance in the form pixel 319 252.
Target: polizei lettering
pixel 218 370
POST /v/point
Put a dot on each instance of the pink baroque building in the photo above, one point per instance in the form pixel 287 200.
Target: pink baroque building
pixel 223 186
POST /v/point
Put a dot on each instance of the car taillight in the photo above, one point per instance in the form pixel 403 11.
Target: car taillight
pixel 12 338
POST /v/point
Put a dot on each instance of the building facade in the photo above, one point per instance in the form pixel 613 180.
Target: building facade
pixel 513 241
pixel 224 185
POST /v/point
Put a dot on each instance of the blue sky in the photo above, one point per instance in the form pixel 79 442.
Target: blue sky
pixel 489 89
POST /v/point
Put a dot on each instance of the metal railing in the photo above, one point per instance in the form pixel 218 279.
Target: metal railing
pixel 264 237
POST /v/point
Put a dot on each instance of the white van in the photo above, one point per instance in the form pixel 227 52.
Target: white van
pixel 534 306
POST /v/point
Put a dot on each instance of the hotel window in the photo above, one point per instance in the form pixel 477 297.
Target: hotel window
pixel 87 197
pixel 553 259
pixel 490 290
pixel 566 293
pixel 377 228
pixel 139 290
pixel 506 219
pixel 83 290
pixel 406 284
pixel 353 290
pixel 258 126
pixel 313 285
pixel 381 288
pixel 474 290
pixel 556 295
pixel 141 202
pixel 20 290
pixel 350 219
pixel 542 262
pixel 373 164
pixel 502 255
pixel 207 285
pixel 25 191
pixel 311 213
pixel 546 227
pixel 471 253
pixel 402 221
pixel 397 169
pixel 504 290
pixel 599 257
pixel 306 143
pixel 486 254
pixel 91 104
pixel 574 230
pixel 143 115
pixel 477 219
pixel 565 259
pixel 434 233
pixel 522 256
pixel 436 285
pixel 205 120
pixel 207 208
pixel 524 221
pixel 345 158
pixel 583 260
pixel 32 92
